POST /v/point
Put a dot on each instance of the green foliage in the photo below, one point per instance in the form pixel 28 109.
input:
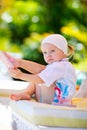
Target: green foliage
pixel 31 49
pixel 33 55
pixel 20 26
pixel 5 45
pixel 44 16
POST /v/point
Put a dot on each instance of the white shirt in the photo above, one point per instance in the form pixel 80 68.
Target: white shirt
pixel 60 71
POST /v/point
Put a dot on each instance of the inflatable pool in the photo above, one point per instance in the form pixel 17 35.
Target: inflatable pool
pixel 48 116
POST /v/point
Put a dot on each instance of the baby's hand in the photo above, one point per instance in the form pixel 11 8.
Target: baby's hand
pixel 15 73
pixel 5 59
pixel 13 60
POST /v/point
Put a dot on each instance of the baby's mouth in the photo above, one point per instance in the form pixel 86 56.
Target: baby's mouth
pixel 49 60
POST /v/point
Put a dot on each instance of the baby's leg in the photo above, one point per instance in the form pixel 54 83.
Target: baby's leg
pixel 26 95
pixel 45 94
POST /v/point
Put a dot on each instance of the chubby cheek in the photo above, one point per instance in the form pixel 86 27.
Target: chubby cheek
pixel 56 57
pixel 45 59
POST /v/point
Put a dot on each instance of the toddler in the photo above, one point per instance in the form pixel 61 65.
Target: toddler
pixel 53 83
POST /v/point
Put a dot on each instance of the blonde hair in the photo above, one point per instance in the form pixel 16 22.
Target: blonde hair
pixel 70 51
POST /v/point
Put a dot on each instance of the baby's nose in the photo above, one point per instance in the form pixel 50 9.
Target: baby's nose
pixel 48 54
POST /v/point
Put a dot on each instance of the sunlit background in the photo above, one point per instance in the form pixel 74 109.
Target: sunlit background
pixel 24 23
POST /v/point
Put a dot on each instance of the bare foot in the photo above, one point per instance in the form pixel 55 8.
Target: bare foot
pixel 20 96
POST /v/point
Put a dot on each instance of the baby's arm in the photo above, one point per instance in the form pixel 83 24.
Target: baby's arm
pixel 16 73
pixel 31 66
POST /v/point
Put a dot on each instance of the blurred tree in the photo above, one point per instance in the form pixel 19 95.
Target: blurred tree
pixel 5 5
pixel 40 16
